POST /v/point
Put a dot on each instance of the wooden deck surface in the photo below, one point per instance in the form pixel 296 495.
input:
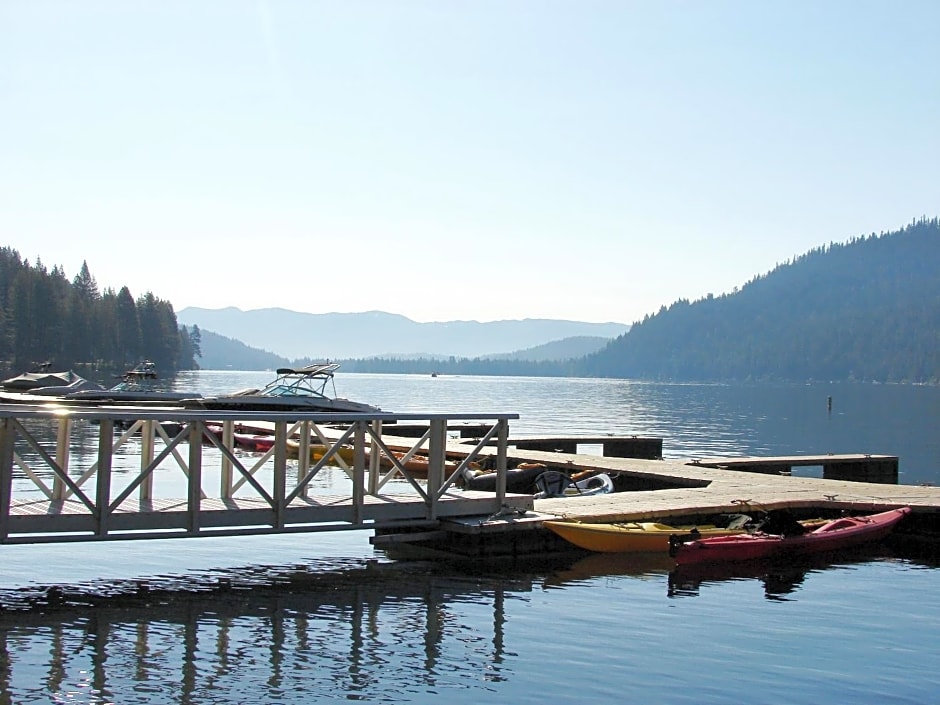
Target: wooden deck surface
pixel 705 491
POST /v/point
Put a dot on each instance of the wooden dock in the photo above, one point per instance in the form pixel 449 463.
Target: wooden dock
pixel 46 495
pixel 679 491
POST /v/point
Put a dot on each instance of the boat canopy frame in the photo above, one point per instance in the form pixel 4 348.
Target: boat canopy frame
pixel 302 381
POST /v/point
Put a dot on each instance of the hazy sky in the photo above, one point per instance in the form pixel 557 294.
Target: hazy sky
pixel 459 160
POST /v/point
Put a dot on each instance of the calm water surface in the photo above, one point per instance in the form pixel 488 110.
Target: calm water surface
pixel 325 618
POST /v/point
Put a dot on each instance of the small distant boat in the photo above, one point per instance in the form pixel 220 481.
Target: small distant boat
pixel 137 385
pixel 300 389
pixel 831 536
pixel 628 537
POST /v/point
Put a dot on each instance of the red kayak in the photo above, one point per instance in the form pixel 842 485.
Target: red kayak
pixel 255 442
pixel 831 536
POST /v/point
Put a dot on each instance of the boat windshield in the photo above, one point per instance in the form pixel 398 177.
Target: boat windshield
pixel 304 382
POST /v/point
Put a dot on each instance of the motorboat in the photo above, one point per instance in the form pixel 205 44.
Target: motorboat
pixel 137 385
pixel 831 536
pixel 78 384
pixel 39 376
pixel 43 386
pixel 294 389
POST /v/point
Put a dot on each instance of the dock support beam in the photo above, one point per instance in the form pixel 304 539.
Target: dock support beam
pixel 643 448
pixel 880 471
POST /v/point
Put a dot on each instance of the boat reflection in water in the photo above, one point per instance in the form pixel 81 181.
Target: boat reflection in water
pixel 780 577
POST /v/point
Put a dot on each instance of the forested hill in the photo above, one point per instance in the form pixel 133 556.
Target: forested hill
pixel 865 310
pixel 44 317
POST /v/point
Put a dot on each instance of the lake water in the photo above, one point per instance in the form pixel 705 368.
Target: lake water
pixel 326 618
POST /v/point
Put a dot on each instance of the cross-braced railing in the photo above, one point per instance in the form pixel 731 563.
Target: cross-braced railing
pixel 129 485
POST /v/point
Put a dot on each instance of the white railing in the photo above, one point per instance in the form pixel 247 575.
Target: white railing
pixel 47 494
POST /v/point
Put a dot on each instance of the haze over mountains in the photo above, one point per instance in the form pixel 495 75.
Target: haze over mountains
pixel 864 310
pixel 295 335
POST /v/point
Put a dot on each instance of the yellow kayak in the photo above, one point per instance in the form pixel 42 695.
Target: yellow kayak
pixel 628 536
pixel 317 451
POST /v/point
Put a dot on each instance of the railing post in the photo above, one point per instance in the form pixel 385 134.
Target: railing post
pixel 103 481
pixel 375 467
pixel 63 435
pixel 7 440
pixel 147 431
pixel 194 488
pixel 228 441
pixel 502 442
pixel 437 445
pixel 279 488
pixel 303 455
pixel 359 471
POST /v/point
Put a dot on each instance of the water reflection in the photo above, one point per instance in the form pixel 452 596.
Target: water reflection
pixel 274 635
pixel 363 629
pixel 781 579
pixel 778 580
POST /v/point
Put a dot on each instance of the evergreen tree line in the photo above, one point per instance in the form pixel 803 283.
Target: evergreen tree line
pixel 44 317
pixel 864 310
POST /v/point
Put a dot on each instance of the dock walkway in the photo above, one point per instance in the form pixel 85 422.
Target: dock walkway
pixel 47 495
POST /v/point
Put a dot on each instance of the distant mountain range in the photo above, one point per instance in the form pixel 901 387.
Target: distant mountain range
pixel 864 310
pixel 220 352
pixel 296 335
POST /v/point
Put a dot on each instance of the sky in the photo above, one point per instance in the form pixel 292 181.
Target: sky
pixel 484 160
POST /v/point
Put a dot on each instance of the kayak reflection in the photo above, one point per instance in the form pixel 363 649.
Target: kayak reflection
pixel 780 578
